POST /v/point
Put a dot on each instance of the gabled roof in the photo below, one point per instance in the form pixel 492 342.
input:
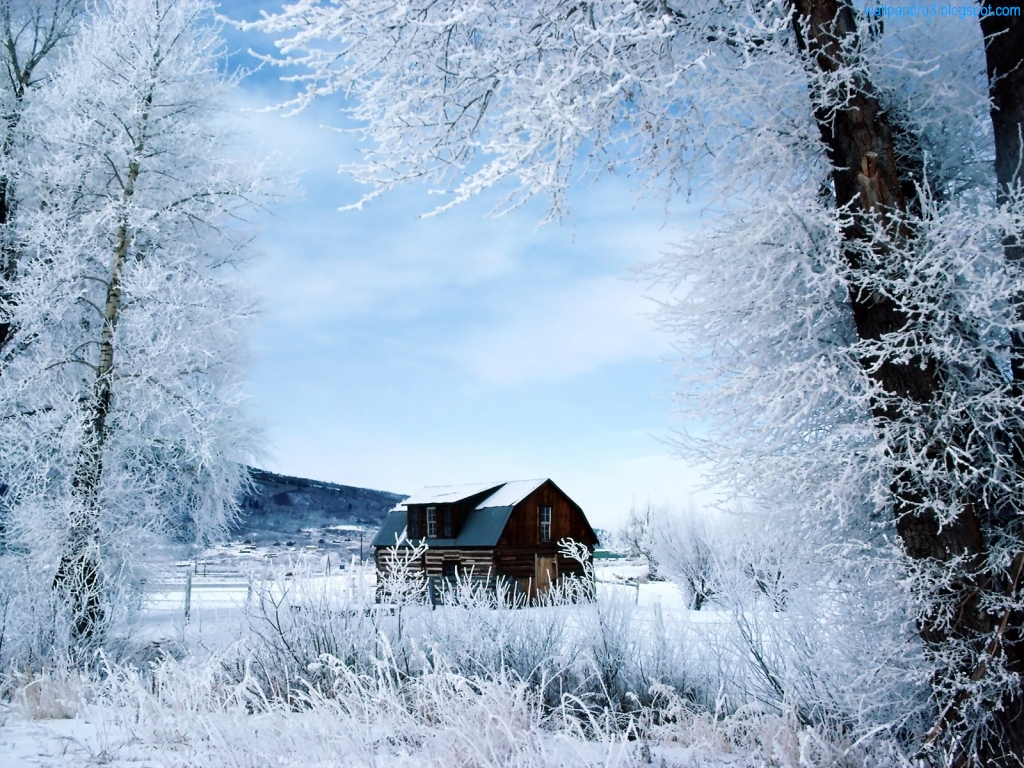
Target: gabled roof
pixel 511 493
pixel 484 524
pixel 447 494
pixel 391 529
pixel 483 528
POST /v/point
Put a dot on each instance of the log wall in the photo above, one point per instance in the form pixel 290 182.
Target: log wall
pixel 480 561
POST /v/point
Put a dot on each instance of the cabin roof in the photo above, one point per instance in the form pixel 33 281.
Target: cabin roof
pixel 447 494
pixel 484 524
pixel 483 528
pixel 391 529
pixel 511 493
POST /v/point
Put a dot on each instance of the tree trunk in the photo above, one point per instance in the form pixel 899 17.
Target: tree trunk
pixel 78 575
pixel 8 248
pixel 877 183
pixel 1004 57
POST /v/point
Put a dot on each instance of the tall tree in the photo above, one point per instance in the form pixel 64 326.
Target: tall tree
pixel 859 299
pixel 957 527
pixel 124 408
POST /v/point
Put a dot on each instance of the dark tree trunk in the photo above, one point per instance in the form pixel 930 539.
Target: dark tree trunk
pixel 8 249
pixel 876 181
pixel 1004 57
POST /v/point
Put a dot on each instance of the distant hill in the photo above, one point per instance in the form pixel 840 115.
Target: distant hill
pixel 284 506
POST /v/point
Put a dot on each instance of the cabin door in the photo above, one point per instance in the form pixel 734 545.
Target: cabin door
pixel 545 573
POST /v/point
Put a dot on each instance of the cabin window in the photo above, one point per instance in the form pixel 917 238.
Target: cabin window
pixel 431 522
pixel 414 524
pixel 448 522
pixel 450 569
pixel 545 524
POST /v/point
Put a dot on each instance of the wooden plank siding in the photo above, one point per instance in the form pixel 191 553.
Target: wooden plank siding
pixel 523 528
pixel 479 561
pixel 520 563
pixel 520 551
pixel 451 516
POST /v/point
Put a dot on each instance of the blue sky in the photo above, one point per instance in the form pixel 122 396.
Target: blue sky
pixel 397 351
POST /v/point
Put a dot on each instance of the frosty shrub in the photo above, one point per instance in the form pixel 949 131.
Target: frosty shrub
pixel 601 652
pixel 205 712
pixel 294 621
pixel 691 550
pixel 637 538
pixel 607 658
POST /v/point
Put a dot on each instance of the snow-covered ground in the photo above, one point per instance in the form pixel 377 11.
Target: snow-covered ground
pixel 440 717
pixel 221 585
pixel 50 726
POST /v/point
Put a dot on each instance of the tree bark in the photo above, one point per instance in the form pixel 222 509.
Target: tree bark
pixel 1004 59
pixel 78 575
pixel 876 182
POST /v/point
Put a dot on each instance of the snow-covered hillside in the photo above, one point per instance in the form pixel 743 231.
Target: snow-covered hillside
pixel 284 512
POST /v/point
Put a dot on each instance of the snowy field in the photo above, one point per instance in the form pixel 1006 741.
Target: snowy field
pixel 188 715
pixel 50 725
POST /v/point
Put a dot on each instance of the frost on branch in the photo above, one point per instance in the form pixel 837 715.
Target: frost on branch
pixel 849 321
pixel 121 392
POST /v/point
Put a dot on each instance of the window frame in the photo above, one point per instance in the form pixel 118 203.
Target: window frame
pixel 545 525
pixel 431 522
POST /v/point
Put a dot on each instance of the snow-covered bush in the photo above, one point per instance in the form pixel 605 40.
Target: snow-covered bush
pixel 190 712
pixel 691 547
pixel 636 537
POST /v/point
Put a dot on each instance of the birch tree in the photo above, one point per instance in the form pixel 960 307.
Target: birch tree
pixel 854 319
pixel 124 406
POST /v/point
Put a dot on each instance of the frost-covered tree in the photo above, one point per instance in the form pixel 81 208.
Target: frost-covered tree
pixel 691 552
pixel 636 536
pixel 31 30
pixel 853 319
pixel 123 407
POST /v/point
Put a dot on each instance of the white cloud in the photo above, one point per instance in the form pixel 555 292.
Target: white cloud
pixel 554 334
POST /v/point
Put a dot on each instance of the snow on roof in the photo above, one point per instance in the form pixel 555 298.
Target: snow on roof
pixel 511 493
pixel 445 494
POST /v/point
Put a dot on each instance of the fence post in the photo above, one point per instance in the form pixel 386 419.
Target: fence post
pixel 188 594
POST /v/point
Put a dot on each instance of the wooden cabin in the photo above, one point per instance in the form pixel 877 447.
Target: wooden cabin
pixel 498 531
